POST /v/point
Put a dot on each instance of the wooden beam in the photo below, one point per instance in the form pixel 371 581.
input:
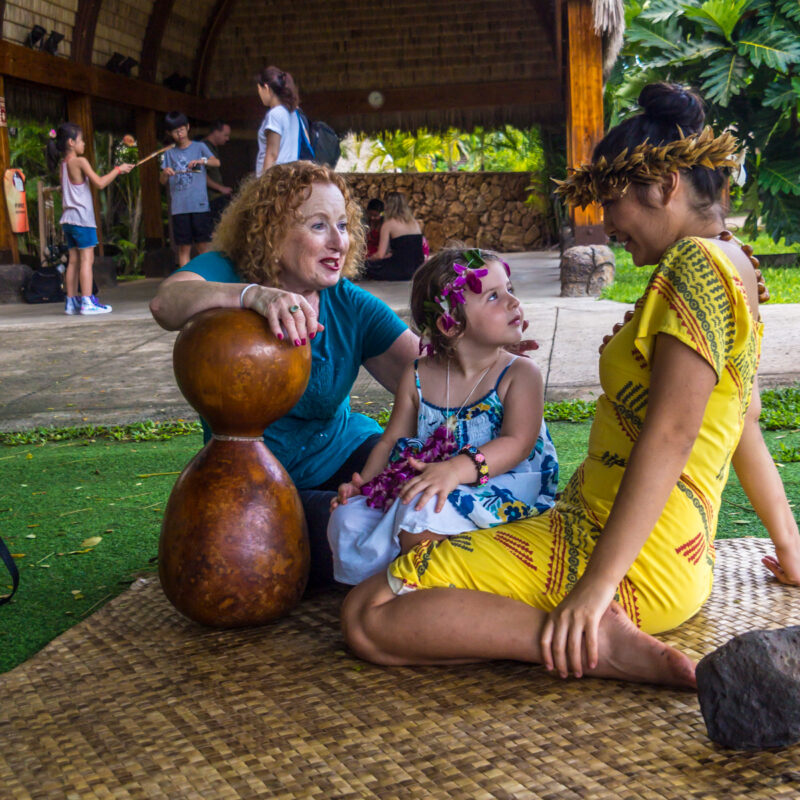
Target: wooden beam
pixel 322 105
pixel 79 111
pixel 9 251
pixel 148 179
pixel 33 66
pixel 83 30
pixel 208 42
pixel 153 36
pixel 584 106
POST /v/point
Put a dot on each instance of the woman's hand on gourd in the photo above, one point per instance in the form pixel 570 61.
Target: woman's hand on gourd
pixel 436 478
pixel 570 631
pixel 285 311
pixel 347 490
pixel 785 564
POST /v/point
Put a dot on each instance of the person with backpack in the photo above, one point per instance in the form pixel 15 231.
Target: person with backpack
pixel 279 134
pixel 65 152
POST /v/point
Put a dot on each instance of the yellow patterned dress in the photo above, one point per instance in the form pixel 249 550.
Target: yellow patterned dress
pixel 695 294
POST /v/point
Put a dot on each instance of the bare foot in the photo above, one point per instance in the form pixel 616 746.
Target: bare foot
pixel 632 655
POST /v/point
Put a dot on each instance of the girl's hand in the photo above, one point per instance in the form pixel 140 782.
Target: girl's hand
pixel 280 308
pixel 168 171
pixel 347 490
pixel 786 567
pixel 435 478
pixel 124 169
pixel 572 628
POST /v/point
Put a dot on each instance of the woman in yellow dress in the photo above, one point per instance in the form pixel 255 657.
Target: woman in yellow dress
pixel 628 549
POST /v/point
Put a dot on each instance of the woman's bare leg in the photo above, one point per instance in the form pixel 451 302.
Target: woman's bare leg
pixel 71 277
pixel 457 626
pixel 86 270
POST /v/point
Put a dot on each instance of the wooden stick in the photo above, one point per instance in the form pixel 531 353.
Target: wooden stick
pixel 153 155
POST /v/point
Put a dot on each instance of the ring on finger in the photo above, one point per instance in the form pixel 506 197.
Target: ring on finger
pixel 293 309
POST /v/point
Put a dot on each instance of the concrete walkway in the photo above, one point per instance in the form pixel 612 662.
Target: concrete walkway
pixel 117 368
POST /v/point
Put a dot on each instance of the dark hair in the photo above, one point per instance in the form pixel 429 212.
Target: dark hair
pixel 175 119
pixel 669 112
pixel 282 84
pixel 56 148
pixel 375 204
pixel 216 125
pixel 427 285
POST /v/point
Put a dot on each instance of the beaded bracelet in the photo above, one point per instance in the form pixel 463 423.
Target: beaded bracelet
pixel 479 460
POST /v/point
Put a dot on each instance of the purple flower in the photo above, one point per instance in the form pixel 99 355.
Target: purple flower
pixel 447 321
pixel 474 279
pixel 459 268
pixel 508 269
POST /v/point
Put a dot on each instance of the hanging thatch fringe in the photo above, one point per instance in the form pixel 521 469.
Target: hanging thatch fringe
pixel 609 22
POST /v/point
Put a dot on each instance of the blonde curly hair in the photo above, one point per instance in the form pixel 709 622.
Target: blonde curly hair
pixel 254 227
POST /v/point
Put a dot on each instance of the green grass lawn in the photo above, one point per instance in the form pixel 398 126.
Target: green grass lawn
pixel 783 283
pixel 82 517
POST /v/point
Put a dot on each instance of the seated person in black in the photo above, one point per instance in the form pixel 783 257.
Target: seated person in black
pixel 400 250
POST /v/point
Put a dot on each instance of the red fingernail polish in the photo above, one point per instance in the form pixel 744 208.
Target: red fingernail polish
pixel 311 336
pixel 303 341
pixel 280 336
pixel 297 342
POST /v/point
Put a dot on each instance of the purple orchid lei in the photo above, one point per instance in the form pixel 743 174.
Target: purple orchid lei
pixel 382 490
pixel 467 275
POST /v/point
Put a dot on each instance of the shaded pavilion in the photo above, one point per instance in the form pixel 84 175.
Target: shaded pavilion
pixel 360 65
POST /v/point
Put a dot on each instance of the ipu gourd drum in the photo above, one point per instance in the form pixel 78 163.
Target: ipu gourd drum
pixel 234 547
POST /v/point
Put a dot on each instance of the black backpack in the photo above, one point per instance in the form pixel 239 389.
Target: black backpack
pixel 44 286
pixel 318 142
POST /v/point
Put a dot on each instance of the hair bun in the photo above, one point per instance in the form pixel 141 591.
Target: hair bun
pixel 674 104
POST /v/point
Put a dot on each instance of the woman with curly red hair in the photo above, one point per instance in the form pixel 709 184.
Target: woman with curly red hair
pixel 285 248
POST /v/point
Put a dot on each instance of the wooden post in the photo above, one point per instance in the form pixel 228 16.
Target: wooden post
pixel 584 107
pixel 148 179
pixel 9 251
pixel 79 111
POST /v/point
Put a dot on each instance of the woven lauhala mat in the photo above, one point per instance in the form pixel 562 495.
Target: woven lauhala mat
pixel 137 702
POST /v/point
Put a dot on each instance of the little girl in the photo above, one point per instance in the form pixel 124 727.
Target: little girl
pixel 481 454
pixel 77 219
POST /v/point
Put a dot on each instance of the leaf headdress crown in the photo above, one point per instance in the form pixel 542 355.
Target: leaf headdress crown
pixel 646 163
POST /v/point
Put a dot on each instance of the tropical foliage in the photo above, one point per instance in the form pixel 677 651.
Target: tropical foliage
pixel 507 149
pixel 742 55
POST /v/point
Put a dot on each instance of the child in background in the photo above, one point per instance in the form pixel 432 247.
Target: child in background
pixel 77 219
pixel 472 463
pixel 184 167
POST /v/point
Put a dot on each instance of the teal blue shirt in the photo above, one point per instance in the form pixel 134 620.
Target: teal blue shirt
pixel 315 438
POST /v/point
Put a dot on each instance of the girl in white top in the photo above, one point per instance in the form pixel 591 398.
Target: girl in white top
pixel 77 219
pixel 279 134
pixel 466 446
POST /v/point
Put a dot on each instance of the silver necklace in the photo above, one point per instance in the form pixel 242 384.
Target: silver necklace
pixel 452 419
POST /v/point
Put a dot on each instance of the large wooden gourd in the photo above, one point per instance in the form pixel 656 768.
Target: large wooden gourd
pixel 234 547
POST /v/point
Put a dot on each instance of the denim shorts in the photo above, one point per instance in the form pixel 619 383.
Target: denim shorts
pixel 79 236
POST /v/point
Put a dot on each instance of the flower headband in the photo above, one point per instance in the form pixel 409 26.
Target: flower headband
pixel 466 276
pixel 646 163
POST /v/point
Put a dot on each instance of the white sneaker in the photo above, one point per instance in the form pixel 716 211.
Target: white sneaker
pixel 91 305
pixel 72 305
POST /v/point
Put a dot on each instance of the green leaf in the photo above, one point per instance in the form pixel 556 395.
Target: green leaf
pixel 780 176
pixel 724 78
pixel 782 94
pixel 662 11
pixel 664 38
pixel 781 216
pixel 775 49
pixel 718 16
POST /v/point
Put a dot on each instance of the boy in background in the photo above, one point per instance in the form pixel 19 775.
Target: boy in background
pixel 184 168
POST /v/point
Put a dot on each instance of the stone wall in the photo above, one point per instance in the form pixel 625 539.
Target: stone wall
pixel 482 209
